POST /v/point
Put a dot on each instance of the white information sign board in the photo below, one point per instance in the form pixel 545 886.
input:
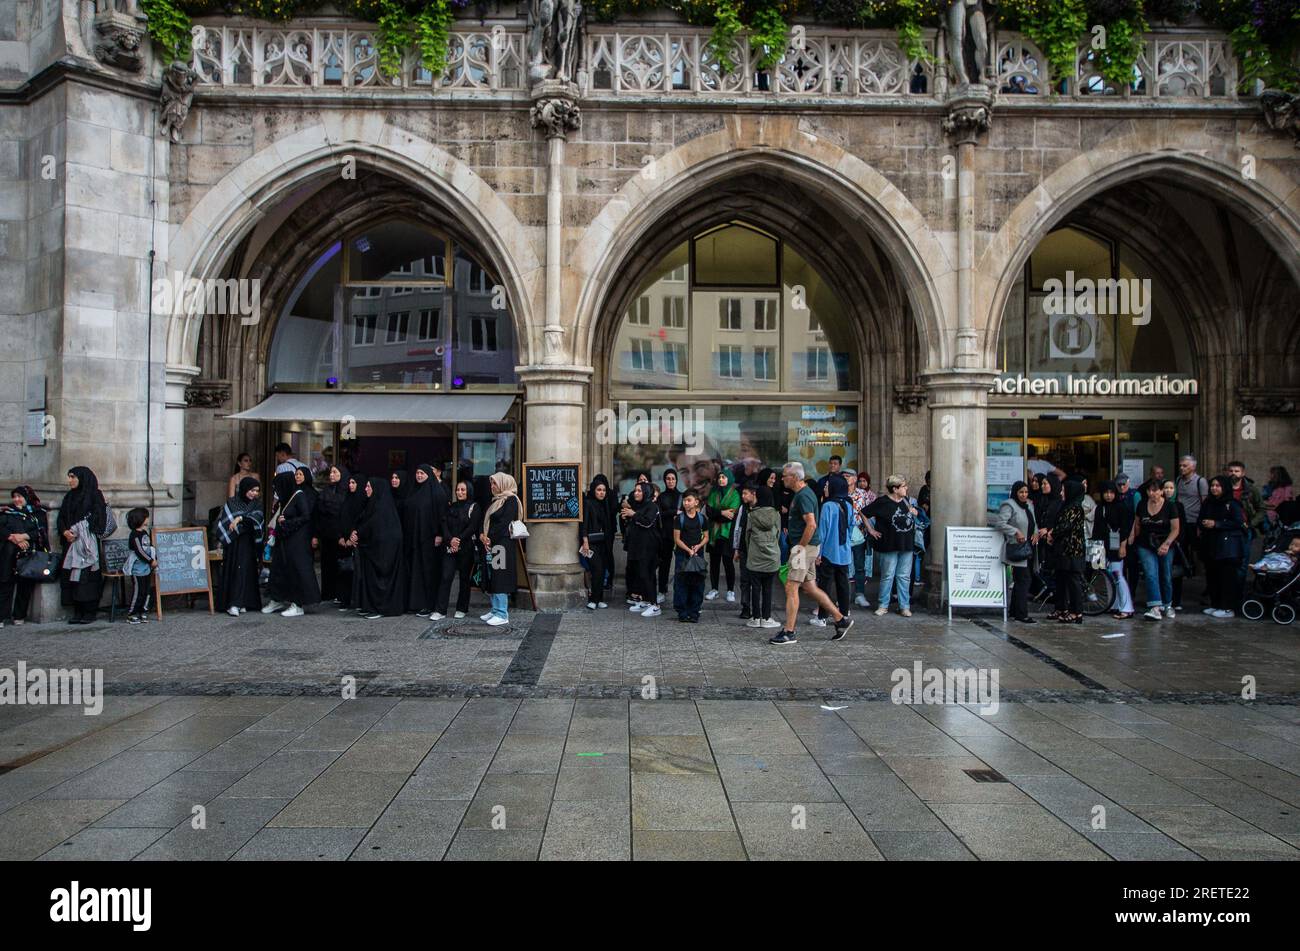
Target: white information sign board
pixel 976 576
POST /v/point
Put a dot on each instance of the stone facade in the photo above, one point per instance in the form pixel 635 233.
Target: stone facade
pixel 923 232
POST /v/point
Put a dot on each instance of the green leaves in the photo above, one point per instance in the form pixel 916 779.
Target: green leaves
pixel 726 27
pixel 169 28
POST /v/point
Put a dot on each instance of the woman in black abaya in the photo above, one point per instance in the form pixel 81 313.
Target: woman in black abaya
pixel 329 529
pixel 83 516
pixel 353 504
pixel 381 570
pixel 295 582
pixel 457 551
pixel 240 528
pixel 419 529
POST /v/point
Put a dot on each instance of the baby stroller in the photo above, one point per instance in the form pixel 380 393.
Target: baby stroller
pixel 1276 583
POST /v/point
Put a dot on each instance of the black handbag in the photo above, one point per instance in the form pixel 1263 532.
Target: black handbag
pixel 596 538
pixel 40 566
pixel 695 565
pixel 1019 551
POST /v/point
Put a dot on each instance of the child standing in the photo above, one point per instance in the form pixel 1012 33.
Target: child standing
pixel 689 539
pixel 141 560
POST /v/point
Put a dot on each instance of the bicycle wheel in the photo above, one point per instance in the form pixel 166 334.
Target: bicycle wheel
pixel 1098 593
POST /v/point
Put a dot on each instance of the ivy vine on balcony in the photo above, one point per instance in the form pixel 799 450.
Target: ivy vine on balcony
pixel 1265 33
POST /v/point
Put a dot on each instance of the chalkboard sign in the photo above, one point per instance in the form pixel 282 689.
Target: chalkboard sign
pixel 553 492
pixel 112 555
pixel 182 563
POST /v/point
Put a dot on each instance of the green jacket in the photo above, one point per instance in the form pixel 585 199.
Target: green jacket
pixel 1253 504
pixel 764 551
pixel 719 501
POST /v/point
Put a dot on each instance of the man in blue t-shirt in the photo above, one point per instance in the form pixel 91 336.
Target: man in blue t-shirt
pixel 805 546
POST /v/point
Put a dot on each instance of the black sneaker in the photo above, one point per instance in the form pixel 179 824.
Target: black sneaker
pixel 842 627
pixel 785 637
pixel 134 619
pixel 745 615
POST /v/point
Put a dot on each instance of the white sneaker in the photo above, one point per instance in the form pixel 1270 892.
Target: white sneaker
pixel 713 593
pixel 1220 612
pixel 882 610
pixel 753 622
pixel 233 611
pixel 601 604
pixel 293 611
pixel 731 596
pixel 861 601
pixel 659 599
pixel 459 614
pixel 637 607
pixel 435 616
pixel 653 611
pixel 633 601
pixel 497 621
pixel 1210 611
pixel 1169 614
pixel 241 611
pixel 905 612
pixel 768 624
pixel 817 621
pixel 591 605
pixel 486 617
pixel 1153 615
pixel 272 606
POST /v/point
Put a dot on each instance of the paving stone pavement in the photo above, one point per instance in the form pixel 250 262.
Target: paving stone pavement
pixel 609 736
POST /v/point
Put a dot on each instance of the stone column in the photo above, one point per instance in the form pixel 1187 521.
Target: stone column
pixel 178 380
pixel 556 402
pixel 970 113
pixel 958 401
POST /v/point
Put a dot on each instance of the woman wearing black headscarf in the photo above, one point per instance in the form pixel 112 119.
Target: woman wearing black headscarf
pixel 1047 503
pixel 420 528
pixel 1223 545
pixel 642 523
pixel 83 516
pixel 381 570
pixel 1015 520
pixel 401 484
pixel 296 580
pixel 1111 523
pixel 670 503
pixel 611 510
pixel 457 551
pixel 353 504
pixel 24 527
pixel 1068 550
pixel 240 529
pixel 596 533
pixel 329 529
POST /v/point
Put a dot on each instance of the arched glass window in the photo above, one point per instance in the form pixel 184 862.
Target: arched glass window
pixel 734 312
pixel 1087 304
pixel 394 304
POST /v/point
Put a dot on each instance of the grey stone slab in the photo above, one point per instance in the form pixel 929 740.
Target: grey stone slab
pixel 678 755
pixel 519 800
pixel 943 779
pixel 1215 834
pixel 230 823
pixel 588 831
pixel 283 775
pixel 1006 831
pixel 528 753
pixel 104 845
pixel 749 777
pixel 170 801
pixel 244 752
pixel 412 831
pixel 298 714
pixel 386 752
pixel 677 803
pixel 125 775
pixel 846 763
pixel 666 846
pixel 1140 846
pixel 415 715
pixel 27 783
pixel 576 783
pixel 341 798
pixel 542 717
pixel 502 845
pixel 31 828
pixel 935 846
pixel 441 775
pixel 92 750
pixel 299 845
pixel 199 733
pixel 815 831
pixel 1075 803
pixel 664 718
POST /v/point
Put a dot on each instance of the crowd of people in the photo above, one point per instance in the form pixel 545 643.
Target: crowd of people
pixel 733 538
pixel 1154 536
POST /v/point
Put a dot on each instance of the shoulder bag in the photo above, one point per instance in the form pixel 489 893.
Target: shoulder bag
pixel 39 566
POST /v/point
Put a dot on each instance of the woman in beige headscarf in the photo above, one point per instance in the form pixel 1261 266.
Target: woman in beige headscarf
pixel 500 549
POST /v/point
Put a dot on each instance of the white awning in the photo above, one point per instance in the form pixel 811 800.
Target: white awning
pixel 381 407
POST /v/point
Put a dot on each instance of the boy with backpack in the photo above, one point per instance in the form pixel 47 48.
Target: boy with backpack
pixel 689 539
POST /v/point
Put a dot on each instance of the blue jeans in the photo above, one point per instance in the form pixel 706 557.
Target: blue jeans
pixel 895 565
pixel 500 606
pixel 1158 571
pixel 861 568
pixel 688 590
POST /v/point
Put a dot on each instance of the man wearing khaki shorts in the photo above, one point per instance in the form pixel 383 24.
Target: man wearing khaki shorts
pixel 803 559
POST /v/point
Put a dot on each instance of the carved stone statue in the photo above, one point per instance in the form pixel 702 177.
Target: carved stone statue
pixel 1282 112
pixel 119 42
pixel 177 94
pixel 970 15
pixel 554 39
